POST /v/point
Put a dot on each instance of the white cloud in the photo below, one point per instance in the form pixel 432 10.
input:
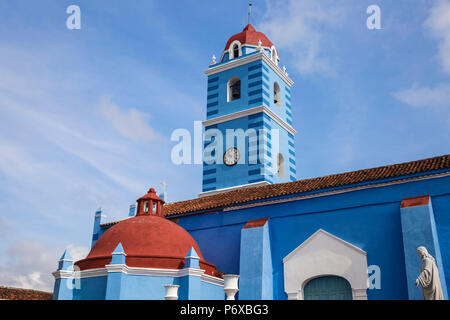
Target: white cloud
pixel 131 123
pixel 29 264
pixel 299 28
pixel 425 97
pixel 438 22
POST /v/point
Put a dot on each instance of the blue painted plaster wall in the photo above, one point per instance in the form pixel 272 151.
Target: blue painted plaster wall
pixel 419 229
pixel 369 219
pixel 255 267
pixel 91 289
pixel 134 287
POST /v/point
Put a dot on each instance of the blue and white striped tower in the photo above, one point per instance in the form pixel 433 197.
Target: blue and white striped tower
pixel 250 94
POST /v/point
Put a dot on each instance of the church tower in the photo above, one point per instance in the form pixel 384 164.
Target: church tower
pixel 249 105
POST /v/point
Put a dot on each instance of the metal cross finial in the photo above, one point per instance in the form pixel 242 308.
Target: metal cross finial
pixel 164 184
pixel 249 10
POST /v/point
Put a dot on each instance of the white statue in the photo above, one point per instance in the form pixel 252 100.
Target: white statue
pixel 429 277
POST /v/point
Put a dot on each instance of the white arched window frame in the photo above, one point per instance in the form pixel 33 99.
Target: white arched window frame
pixel 324 254
pixel 274 55
pixel 231 49
pixel 232 86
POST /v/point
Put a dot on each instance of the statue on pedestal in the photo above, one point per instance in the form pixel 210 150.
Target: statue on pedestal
pixel 429 277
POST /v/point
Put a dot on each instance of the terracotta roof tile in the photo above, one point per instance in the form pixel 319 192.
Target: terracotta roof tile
pixel 240 196
pixel 332 181
pixel 7 293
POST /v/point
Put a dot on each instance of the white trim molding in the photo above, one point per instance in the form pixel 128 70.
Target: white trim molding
pixel 244 186
pixel 324 254
pixel 247 59
pixel 249 112
pixel 154 272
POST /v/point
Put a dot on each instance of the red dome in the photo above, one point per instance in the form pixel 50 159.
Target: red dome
pixel 149 241
pixel 250 36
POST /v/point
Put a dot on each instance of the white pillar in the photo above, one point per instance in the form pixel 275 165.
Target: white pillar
pixel 171 291
pixel 230 285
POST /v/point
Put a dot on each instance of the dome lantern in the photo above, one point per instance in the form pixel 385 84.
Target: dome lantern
pixel 150 204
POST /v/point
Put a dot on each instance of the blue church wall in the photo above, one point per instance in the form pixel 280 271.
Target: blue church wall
pixel 441 210
pixel 146 287
pixel 93 288
pixel 368 219
pixel 211 291
pixel 136 287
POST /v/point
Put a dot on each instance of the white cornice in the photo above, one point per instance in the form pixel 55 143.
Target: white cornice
pixel 63 274
pixel 155 272
pixel 329 235
pixel 247 59
pixel 248 112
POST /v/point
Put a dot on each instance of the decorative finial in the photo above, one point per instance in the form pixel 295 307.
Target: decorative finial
pixel 284 70
pixel 213 60
pixel 260 45
pixel 249 10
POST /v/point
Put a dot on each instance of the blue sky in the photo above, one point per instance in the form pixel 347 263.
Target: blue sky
pixel 86 115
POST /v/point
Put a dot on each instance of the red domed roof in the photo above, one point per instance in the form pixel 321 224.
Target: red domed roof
pixel 250 36
pixel 149 241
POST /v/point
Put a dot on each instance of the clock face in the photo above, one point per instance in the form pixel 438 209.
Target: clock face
pixel 231 156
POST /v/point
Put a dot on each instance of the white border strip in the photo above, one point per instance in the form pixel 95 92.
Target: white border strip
pixel 248 112
pixel 155 272
pixel 244 186
pixel 251 58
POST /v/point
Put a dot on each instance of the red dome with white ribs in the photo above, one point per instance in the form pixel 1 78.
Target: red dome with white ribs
pixel 250 36
pixel 149 240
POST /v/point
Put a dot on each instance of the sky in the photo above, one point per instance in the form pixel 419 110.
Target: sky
pixel 86 115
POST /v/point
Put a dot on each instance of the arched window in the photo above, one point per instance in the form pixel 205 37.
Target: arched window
pixel 146 206
pixel 280 166
pixel 276 94
pixel 328 288
pixel 234 89
pixel 235 51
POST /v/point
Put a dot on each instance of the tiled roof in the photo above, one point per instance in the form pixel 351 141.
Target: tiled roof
pixel 290 188
pixel 7 293
pixel 241 196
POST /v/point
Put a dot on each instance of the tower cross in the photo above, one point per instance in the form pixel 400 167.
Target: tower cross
pixel 249 10
pixel 164 184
